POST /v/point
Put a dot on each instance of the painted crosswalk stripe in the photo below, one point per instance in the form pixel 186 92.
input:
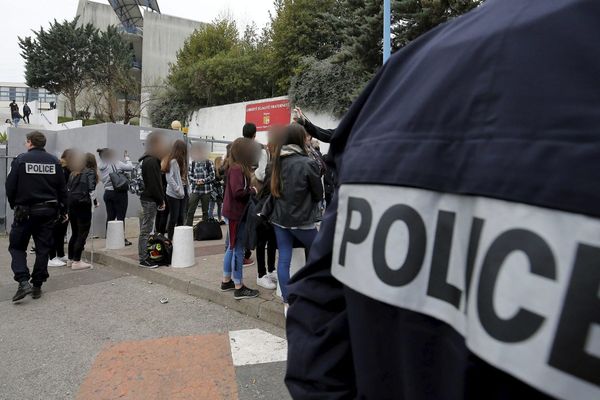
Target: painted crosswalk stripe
pixel 255 346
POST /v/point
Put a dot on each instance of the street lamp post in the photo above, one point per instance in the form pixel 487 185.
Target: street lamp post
pixel 387 26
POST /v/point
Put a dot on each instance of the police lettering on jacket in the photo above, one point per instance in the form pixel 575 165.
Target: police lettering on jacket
pixel 519 282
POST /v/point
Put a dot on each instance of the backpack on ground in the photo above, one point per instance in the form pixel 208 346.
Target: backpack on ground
pixel 208 230
pixel 160 249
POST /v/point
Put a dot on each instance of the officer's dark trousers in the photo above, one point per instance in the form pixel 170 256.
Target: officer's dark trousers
pixel 80 216
pixel 39 225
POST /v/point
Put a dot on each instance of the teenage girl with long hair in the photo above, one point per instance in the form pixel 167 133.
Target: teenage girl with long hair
pixel 297 190
pixel 176 173
pixel 81 188
pixel 237 194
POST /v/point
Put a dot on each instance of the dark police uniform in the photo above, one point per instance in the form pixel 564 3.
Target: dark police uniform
pixel 36 191
pixel 460 258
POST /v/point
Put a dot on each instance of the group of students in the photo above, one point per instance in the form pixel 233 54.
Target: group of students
pixel 173 185
pixel 273 198
pixel 283 180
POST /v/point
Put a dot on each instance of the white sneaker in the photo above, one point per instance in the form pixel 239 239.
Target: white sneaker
pixel 272 276
pixel 266 282
pixel 80 265
pixel 64 259
pixel 56 262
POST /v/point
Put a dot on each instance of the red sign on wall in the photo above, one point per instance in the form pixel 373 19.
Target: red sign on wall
pixel 269 113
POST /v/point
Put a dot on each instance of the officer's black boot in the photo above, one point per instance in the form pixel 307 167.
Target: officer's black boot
pixel 36 293
pixel 24 289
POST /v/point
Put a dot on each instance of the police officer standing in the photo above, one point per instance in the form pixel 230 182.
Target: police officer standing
pixel 36 191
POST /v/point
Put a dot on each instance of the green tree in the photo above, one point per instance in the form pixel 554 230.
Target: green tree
pixel 58 59
pixel 217 67
pixel 415 17
pixel 303 28
pixel 112 75
pixel 361 55
pixel 326 85
pixel 166 107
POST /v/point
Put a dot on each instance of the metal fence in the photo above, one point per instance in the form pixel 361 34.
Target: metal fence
pixel 5 161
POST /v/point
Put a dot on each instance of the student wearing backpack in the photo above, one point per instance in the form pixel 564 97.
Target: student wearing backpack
pixel 152 195
pixel 115 199
pixel 201 177
pixel 80 198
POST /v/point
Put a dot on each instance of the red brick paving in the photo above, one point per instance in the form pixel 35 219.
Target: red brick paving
pixel 177 368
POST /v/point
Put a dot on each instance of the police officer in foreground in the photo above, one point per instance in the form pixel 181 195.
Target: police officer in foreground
pixel 486 138
pixel 36 191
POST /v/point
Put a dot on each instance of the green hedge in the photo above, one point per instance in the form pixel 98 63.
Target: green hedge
pixel 86 122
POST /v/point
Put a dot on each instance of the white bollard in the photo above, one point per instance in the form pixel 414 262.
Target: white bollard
pixel 115 235
pixel 183 247
pixel 298 261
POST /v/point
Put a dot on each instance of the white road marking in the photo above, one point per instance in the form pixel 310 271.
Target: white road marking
pixel 255 346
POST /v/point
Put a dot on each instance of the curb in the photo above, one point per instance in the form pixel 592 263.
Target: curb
pixel 264 310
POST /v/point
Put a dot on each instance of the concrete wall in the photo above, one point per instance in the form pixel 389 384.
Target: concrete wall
pixel 164 35
pixel 88 139
pixel 98 14
pixel 225 122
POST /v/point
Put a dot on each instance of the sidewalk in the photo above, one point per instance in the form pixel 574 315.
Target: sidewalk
pixel 202 280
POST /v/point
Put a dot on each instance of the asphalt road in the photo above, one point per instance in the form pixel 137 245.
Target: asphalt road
pixel 51 346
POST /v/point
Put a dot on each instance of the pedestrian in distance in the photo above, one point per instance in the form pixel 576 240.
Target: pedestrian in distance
pixel 56 256
pixel 116 201
pixel 15 115
pixel 237 195
pixel 26 112
pixel 36 191
pixel 297 191
pixel 202 177
pixel 152 197
pixel 175 167
pixel 81 189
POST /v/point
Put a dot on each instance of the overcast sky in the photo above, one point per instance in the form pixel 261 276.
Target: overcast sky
pixel 21 16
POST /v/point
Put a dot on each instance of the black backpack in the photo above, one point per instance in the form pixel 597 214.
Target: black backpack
pixel 159 249
pixel 208 230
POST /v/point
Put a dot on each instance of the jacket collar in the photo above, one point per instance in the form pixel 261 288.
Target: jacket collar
pixel 291 149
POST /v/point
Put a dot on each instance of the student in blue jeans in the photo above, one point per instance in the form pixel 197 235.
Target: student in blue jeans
pixel 297 190
pixel 237 195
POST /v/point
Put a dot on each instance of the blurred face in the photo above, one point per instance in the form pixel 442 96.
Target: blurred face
pixel 77 161
pixel 159 148
pixel 198 153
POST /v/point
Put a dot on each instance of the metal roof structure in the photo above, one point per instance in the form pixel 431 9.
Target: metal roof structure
pixel 129 12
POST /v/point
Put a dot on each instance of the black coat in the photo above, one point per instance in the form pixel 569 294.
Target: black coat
pixel 485 109
pixel 301 192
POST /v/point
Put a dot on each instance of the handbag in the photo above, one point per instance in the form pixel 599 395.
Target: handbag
pixel 208 230
pixel 120 182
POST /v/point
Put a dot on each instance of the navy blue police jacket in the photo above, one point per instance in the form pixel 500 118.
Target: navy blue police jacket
pixel 36 177
pixel 460 258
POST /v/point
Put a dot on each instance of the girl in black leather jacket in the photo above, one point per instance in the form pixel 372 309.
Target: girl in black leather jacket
pixel 296 189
